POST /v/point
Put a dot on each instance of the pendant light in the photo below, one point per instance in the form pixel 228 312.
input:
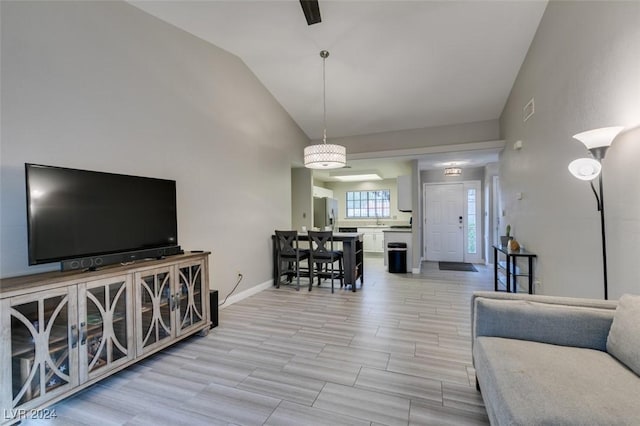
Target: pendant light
pixel 325 155
pixel 452 171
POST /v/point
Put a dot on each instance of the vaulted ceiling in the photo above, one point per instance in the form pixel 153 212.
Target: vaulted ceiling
pixel 393 65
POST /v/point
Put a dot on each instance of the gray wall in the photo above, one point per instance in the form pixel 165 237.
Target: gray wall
pixel 104 86
pixel 480 131
pixel 582 68
pixel 301 198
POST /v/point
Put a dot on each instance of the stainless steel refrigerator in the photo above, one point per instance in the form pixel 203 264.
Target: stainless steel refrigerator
pixel 325 212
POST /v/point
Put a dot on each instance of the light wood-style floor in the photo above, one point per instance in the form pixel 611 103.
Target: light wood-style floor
pixel 396 352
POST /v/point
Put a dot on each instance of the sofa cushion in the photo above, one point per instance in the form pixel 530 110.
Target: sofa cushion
pixel 532 383
pixel 578 326
pixel 623 341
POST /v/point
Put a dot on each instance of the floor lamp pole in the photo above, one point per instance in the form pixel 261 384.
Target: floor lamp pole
pixel 604 239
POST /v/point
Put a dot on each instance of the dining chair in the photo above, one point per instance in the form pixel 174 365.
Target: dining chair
pixel 322 258
pixel 288 257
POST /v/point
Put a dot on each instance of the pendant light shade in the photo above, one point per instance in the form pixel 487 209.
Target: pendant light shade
pixel 325 155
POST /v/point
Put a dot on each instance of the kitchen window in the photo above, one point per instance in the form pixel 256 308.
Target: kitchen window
pixel 368 204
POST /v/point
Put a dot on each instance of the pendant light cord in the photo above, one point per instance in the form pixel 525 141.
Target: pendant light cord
pixel 324 54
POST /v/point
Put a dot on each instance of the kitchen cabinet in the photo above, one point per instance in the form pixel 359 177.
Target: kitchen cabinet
pixel 170 302
pixel 372 239
pixel 63 337
pixel 320 192
pixel 405 198
pixel 63 331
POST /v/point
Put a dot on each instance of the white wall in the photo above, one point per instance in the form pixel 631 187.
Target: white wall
pixel 104 86
pixel 583 69
pixel 491 222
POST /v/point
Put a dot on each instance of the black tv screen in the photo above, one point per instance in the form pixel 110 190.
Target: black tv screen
pixel 78 213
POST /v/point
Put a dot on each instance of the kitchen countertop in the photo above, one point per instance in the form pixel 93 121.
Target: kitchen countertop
pixel 397 230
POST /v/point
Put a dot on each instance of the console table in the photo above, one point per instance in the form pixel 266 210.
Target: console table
pixel 61 332
pixel 510 268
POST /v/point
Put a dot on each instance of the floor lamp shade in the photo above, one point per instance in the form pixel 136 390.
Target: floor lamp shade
pixel 585 168
pixel 598 137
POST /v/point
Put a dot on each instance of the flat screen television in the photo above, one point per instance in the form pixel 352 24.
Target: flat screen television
pixel 87 218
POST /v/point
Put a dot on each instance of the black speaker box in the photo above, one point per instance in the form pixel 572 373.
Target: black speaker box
pixel 213 301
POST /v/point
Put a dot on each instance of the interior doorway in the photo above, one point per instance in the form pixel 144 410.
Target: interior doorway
pixel 452 222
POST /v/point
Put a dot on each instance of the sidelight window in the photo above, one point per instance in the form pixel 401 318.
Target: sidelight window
pixel 472 240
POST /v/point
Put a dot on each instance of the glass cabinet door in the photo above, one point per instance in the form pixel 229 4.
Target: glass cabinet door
pixel 192 298
pixel 155 309
pixel 43 345
pixel 106 325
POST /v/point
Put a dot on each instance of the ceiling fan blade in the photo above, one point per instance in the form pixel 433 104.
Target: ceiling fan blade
pixel 311 11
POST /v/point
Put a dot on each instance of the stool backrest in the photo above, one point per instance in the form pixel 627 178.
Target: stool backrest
pixel 318 241
pixel 287 243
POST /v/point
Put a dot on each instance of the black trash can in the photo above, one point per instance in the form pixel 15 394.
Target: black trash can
pixel 397 260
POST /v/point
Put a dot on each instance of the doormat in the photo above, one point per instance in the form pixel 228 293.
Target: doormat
pixel 457 266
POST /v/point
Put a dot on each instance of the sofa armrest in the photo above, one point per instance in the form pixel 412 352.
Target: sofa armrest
pixel 557 320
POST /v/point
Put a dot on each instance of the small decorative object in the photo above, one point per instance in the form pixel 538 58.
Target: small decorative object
pixel 513 245
pixel 504 239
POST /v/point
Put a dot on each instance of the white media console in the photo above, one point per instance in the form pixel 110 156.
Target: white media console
pixel 63 331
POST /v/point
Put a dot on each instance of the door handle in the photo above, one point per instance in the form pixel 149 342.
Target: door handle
pixel 74 336
pixel 83 333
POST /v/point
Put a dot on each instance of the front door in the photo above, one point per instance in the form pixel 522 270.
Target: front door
pixel 444 222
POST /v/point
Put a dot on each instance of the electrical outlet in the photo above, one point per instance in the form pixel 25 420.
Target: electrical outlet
pixel 537 285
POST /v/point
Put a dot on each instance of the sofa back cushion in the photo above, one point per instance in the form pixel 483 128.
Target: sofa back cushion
pixel 582 327
pixel 623 341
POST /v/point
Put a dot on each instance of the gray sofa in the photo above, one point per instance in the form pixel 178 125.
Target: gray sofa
pixel 544 360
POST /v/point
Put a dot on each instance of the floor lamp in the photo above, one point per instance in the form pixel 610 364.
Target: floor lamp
pixel 597 142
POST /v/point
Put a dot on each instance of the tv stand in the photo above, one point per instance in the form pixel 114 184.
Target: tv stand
pixel 64 331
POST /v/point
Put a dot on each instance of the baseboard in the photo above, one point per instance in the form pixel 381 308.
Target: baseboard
pixel 234 298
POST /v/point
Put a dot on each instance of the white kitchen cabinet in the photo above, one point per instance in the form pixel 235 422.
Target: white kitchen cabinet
pixel 372 239
pixel 320 192
pixel 405 199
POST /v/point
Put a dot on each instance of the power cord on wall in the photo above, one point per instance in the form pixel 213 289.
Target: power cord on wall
pixel 234 289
